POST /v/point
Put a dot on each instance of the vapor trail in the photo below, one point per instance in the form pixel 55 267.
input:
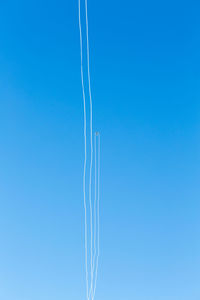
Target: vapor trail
pixel 85 148
pixel 91 144
pixel 95 209
pixel 94 216
pixel 98 210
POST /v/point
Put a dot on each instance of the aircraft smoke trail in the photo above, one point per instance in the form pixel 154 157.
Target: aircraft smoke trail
pixel 95 198
pixel 97 174
pixel 95 209
pixel 85 147
pixel 94 257
pixel 91 143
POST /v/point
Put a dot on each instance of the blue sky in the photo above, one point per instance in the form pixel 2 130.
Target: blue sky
pixel 145 82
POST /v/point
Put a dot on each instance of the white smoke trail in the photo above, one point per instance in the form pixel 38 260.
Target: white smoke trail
pixel 98 211
pixel 95 209
pixel 95 199
pixel 91 144
pixel 94 257
pixel 85 149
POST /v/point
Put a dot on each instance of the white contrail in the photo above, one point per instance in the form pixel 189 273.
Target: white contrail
pixel 91 143
pixel 94 257
pixel 95 209
pixel 98 213
pixel 85 149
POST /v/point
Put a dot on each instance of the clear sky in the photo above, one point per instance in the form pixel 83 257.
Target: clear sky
pixel 145 81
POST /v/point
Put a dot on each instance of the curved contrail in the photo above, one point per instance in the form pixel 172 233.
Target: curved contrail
pixel 85 146
pixel 91 144
pixel 94 217
pixel 97 174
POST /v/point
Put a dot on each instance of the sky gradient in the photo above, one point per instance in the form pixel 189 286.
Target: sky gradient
pixel 145 81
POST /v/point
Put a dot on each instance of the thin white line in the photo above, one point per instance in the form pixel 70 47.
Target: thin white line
pixel 85 149
pixel 91 143
pixel 98 219
pixel 95 205
pixel 93 256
